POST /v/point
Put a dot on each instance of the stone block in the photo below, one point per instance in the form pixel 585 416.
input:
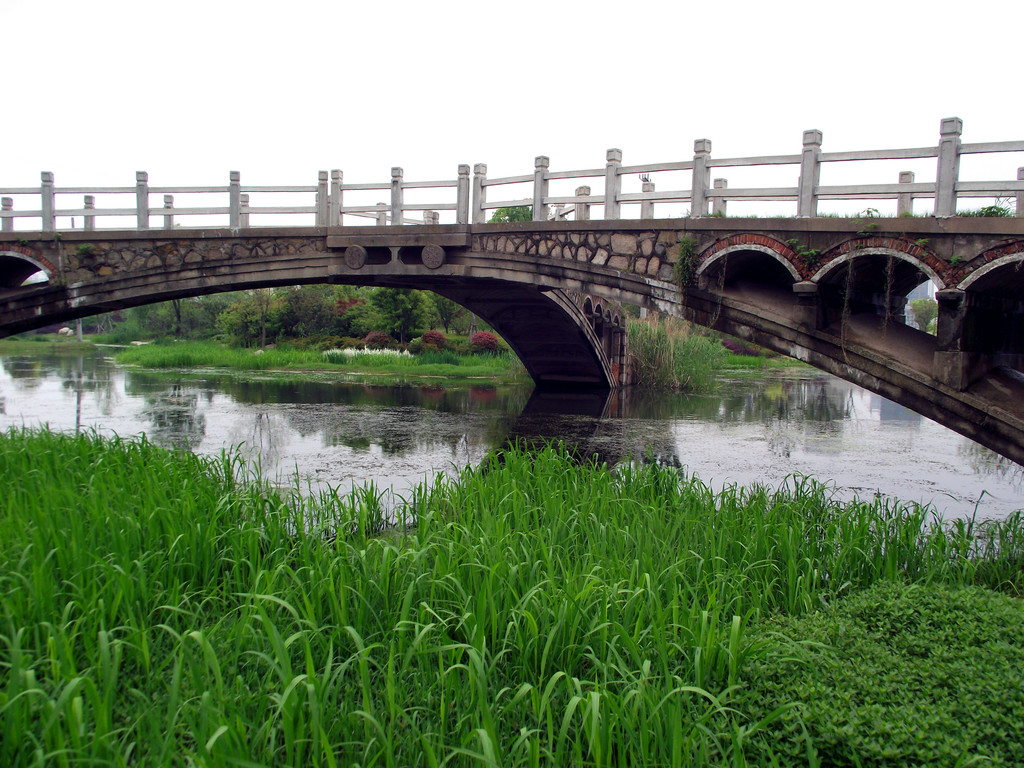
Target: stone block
pixel 623 243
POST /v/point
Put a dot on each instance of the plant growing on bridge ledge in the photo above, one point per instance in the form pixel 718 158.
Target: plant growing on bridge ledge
pixel 86 249
pixel 809 256
pixel 685 269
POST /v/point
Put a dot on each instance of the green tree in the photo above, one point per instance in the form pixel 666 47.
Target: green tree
pixel 450 314
pixel 512 214
pixel 401 311
pixel 925 310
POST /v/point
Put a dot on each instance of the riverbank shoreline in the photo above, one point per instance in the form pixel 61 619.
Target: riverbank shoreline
pixel 542 610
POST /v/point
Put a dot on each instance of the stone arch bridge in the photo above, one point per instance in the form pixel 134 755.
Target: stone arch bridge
pixel 829 291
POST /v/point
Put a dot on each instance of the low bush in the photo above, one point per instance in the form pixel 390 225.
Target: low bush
pixel 482 341
pixel 377 340
pixel 434 340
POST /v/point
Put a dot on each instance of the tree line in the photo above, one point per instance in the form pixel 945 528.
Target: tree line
pixel 257 317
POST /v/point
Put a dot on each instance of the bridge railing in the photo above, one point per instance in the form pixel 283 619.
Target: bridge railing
pixel 331 201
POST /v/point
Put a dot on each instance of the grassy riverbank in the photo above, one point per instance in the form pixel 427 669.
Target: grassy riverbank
pixel 157 611
pixel 192 354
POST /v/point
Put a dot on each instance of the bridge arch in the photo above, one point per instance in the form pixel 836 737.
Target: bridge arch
pixel 999 263
pixel 715 259
pixel 18 263
pixel 917 258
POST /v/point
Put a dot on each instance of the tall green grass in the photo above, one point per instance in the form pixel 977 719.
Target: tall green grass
pixel 157 610
pixel 668 354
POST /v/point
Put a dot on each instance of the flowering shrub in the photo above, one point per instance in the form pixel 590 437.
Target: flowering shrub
pixel 483 342
pixel 377 340
pixel 434 340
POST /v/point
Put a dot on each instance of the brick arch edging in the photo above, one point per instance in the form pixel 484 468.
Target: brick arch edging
pixel 931 265
pixel 750 241
pixel 29 255
pixel 992 259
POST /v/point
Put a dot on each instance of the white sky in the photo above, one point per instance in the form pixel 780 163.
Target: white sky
pixel 189 90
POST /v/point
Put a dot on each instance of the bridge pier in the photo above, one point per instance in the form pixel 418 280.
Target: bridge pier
pixel 960 356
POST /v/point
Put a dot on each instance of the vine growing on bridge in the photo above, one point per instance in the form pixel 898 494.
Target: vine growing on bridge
pixel 685 269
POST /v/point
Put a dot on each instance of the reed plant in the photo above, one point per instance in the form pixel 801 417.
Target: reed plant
pixel 164 609
pixel 668 354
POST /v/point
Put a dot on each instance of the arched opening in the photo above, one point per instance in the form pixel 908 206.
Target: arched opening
pixel 17 270
pixel 874 283
pixel 751 275
pixel 994 322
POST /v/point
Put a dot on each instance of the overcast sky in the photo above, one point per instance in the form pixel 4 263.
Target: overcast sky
pixel 189 90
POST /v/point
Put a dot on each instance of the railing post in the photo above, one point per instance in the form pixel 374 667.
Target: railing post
pixel 462 196
pixel 905 201
pixel 234 199
pixel 612 183
pixel 701 178
pixel 322 199
pixel 396 196
pixel 948 166
pixel 168 206
pixel 540 188
pixel 47 203
pixel 7 224
pixel 582 209
pixel 479 193
pixel 90 218
pixel 431 217
pixel 382 214
pixel 243 209
pixel 810 175
pixel 718 204
pixel 647 206
pixel 1020 195
pixel 142 200
pixel 336 178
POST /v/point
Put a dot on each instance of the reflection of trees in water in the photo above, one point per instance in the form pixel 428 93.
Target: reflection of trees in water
pixel 173 417
pixel 77 372
pixel 261 438
pixel 988 463
pixel 393 431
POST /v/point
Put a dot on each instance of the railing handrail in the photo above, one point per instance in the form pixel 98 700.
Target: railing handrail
pixel 471 203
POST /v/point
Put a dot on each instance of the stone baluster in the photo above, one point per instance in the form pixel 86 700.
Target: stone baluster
pixel 48 205
pixel 905 200
pixel 1020 195
pixel 612 184
pixel 323 199
pixel 701 177
pixel 6 223
pixel 582 209
pixel 243 210
pixel 479 193
pixel 382 214
pixel 336 219
pixel 948 166
pixel 462 196
pixel 540 188
pixel 90 218
pixel 142 199
pixel 810 175
pixel 647 206
pixel 234 199
pixel 396 196
pixel 431 217
pixel 168 206
pixel 718 204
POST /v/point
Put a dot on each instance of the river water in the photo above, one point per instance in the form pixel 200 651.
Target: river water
pixel 344 433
